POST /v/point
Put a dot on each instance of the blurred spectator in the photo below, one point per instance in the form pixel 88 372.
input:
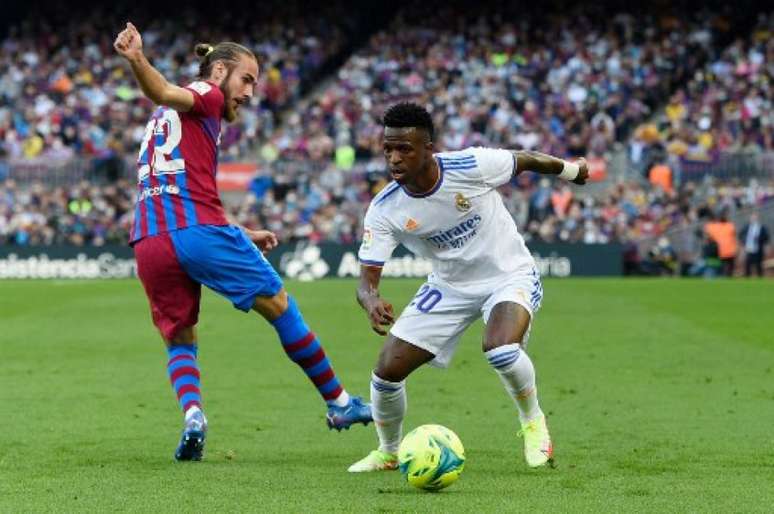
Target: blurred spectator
pixel 754 237
pixel 687 244
pixel 660 175
pixel 4 167
pixel 723 232
pixel 709 265
pixel 631 259
pixel 662 259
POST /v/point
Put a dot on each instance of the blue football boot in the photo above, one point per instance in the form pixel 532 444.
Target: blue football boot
pixel 356 411
pixel 192 441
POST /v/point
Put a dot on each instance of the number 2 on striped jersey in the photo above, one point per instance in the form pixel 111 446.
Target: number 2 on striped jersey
pixel 166 144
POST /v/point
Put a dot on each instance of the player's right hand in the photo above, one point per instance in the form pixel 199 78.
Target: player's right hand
pixel 128 43
pixel 583 172
pixel 380 315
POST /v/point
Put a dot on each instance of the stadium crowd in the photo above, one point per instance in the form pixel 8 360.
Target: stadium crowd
pixel 568 85
pixel 727 106
pixel 573 85
pixel 331 209
pixel 66 93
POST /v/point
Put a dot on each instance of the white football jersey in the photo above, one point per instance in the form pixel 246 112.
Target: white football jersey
pixel 461 225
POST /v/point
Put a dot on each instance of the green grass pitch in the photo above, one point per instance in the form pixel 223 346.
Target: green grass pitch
pixel 660 395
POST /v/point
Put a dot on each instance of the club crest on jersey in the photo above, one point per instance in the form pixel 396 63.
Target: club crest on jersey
pixel 411 224
pixel 462 203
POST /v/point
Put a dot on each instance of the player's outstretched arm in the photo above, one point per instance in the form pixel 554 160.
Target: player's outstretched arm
pixel 379 312
pixel 153 84
pixel 527 160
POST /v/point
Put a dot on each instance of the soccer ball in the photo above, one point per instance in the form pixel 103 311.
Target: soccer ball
pixel 431 457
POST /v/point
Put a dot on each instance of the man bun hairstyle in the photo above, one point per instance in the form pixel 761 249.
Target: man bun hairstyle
pixel 203 49
pixel 227 52
pixel 409 114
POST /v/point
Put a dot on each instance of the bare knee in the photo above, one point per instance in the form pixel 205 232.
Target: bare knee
pixel 508 323
pixel 500 338
pixel 388 368
pixel 272 307
pixel 398 359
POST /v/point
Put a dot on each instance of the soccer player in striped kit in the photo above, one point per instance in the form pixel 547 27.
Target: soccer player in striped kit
pixel 182 238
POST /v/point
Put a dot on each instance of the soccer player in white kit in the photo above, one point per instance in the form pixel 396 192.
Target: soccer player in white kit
pixel 445 207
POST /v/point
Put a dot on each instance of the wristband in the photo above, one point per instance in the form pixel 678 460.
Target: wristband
pixel 569 171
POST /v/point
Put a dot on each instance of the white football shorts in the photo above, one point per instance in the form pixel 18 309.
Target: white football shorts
pixel 437 316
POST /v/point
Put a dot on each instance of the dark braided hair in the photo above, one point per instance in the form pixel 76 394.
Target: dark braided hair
pixel 227 52
pixel 409 114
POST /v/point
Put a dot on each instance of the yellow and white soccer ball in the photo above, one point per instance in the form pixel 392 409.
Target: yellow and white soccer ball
pixel 431 457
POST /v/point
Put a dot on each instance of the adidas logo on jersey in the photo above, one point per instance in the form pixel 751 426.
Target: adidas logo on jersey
pixel 411 224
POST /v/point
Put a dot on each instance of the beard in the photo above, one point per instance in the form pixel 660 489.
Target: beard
pixel 229 113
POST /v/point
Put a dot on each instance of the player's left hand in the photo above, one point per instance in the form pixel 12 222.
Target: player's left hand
pixel 583 173
pixel 263 239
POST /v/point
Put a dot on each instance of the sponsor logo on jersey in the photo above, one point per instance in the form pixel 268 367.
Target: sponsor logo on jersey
pixel 171 189
pixel 411 224
pixel 457 236
pixel 462 203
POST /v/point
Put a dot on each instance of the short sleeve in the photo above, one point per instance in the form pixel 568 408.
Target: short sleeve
pixel 496 166
pixel 378 240
pixel 208 100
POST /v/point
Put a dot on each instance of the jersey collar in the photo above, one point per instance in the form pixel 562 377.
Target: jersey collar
pixel 435 188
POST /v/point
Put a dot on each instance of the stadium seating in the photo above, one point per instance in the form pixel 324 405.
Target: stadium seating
pixel 664 87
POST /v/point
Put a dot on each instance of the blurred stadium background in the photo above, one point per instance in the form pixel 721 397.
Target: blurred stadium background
pixel 671 102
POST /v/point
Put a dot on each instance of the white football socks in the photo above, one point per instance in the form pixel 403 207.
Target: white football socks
pixel 195 419
pixel 341 400
pixel 517 373
pixel 388 406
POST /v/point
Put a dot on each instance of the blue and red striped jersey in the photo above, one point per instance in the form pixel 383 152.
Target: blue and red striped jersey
pixel 177 165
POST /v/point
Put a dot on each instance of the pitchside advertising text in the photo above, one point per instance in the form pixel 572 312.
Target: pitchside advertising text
pixel 302 261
